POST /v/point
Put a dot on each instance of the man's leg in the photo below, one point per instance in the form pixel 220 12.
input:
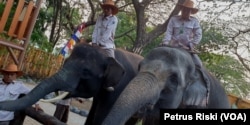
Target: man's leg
pixel 65 114
pixel 197 60
pixel 19 116
pixel 4 122
pixel 110 52
pixel 59 111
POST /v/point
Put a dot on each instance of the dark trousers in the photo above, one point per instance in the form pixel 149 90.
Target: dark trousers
pixel 62 112
pixel 19 116
pixel 4 122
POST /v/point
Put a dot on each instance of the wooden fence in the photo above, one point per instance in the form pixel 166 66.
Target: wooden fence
pixel 36 64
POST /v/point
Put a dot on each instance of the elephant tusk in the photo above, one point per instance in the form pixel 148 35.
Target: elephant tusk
pixel 59 97
pixel 110 89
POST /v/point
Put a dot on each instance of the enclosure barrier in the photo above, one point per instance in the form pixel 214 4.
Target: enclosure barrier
pixel 17 21
pixel 37 64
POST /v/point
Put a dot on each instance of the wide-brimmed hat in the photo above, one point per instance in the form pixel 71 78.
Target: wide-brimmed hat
pixel 12 68
pixel 189 4
pixel 111 4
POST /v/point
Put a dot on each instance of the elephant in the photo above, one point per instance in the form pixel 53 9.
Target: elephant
pixel 167 79
pixel 86 73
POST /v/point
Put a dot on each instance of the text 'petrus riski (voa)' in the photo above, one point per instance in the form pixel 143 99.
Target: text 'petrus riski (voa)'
pixel 206 116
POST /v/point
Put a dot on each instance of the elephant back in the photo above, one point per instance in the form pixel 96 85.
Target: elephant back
pixel 128 59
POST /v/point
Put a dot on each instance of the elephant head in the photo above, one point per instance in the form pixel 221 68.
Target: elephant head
pixel 83 74
pixel 167 79
pixel 86 73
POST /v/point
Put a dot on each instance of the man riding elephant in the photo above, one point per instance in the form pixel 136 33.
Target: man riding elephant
pixel 167 79
pixel 184 30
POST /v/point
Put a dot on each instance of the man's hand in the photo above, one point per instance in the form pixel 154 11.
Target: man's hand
pixel 190 49
pixel 186 48
pixel 38 108
pixel 191 46
pixel 80 100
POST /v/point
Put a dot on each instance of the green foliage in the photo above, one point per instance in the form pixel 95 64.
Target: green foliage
pixel 87 35
pixel 126 23
pixel 224 67
pixel 1 8
pixel 76 17
pixel 45 17
pixel 152 45
pixel 228 70
pixel 212 34
pixel 39 40
pixel 38 37
pixel 212 38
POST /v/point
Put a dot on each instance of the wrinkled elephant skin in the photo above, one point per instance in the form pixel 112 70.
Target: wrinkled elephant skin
pixel 167 79
pixel 86 73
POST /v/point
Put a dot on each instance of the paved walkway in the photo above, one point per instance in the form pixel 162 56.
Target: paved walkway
pixel 74 119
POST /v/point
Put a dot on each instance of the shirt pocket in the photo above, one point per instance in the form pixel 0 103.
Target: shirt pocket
pixel 2 96
pixel 188 30
pixel 111 24
pixel 13 94
pixel 177 30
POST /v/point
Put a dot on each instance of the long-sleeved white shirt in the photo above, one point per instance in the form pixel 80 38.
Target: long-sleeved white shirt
pixel 104 31
pixel 185 32
pixel 10 92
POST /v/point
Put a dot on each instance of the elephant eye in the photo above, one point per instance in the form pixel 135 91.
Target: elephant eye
pixel 172 82
pixel 173 78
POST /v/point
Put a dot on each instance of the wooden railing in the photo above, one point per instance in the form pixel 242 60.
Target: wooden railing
pixel 237 102
pixel 37 63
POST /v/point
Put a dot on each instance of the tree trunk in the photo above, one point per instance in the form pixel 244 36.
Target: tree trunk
pixel 143 38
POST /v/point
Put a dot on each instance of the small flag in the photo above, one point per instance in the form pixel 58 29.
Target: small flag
pixel 75 38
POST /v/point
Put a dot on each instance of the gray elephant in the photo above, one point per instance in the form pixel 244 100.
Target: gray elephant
pixel 86 73
pixel 167 79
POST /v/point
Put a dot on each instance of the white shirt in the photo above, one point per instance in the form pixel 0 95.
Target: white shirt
pixel 104 31
pixel 186 32
pixel 10 92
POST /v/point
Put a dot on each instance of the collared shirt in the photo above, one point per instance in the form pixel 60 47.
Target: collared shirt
pixel 104 31
pixel 10 92
pixel 185 32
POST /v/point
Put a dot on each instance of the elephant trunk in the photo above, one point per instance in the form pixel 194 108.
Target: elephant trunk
pixel 45 87
pixel 141 92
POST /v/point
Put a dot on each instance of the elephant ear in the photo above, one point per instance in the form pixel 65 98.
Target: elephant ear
pixel 196 93
pixel 113 74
